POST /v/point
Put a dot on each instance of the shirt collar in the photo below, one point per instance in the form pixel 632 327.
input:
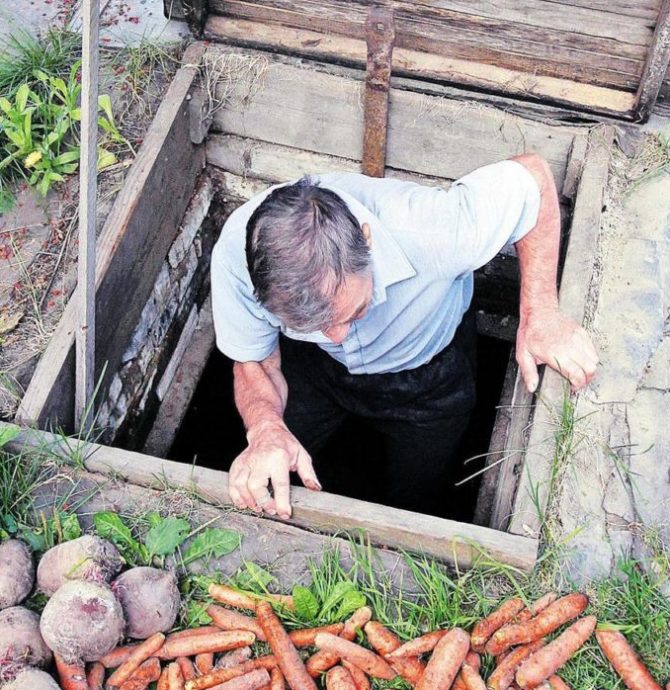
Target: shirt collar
pixel 390 264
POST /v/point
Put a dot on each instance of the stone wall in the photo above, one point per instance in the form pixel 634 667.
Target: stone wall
pixel 160 336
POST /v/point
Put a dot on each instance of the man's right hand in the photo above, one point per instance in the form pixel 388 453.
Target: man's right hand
pixel 273 453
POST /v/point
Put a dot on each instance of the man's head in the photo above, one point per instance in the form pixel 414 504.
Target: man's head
pixel 309 259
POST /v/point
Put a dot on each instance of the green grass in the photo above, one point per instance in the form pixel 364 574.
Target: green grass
pixel 23 54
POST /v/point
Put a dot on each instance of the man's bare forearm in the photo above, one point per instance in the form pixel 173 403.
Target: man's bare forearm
pixel 260 392
pixel 538 250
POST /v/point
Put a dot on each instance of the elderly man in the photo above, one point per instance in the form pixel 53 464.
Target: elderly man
pixel 342 294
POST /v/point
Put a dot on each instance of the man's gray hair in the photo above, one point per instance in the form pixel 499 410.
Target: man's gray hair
pixel 302 242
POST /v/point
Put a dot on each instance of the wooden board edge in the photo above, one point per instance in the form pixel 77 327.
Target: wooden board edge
pixel 453 542
pixel 44 384
pixel 533 493
pixel 413 63
pixel 655 67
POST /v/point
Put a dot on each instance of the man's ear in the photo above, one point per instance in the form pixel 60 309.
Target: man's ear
pixel 367 234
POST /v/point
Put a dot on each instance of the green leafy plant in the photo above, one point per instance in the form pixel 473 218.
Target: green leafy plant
pixel 164 537
pixel 39 129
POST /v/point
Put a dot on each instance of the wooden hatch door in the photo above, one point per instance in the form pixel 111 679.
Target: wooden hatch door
pixel 606 57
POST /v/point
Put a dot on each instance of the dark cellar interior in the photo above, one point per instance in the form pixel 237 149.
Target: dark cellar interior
pixel 212 434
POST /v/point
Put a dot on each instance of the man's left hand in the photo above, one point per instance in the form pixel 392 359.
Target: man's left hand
pixel 550 337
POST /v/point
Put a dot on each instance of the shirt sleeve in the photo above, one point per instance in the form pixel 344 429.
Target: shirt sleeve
pixel 491 207
pixel 243 333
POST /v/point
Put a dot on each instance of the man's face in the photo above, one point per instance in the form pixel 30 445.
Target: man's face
pixel 351 303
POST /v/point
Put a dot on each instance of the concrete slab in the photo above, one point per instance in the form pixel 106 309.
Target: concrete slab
pixel 613 493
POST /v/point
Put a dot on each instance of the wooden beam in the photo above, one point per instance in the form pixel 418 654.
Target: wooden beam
pixel 656 65
pixel 453 542
pixel 533 494
pixel 132 245
pixel 506 452
pixel 88 186
pixel 409 62
pixel 273 163
pixel 322 113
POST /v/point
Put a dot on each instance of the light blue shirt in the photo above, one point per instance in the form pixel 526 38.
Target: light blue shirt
pixel 426 243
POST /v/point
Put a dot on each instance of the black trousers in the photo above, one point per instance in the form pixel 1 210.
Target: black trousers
pixel 421 415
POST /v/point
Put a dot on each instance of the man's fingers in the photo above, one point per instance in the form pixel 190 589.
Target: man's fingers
pixel 528 369
pixel 281 488
pixel 305 470
pixel 239 492
pixel 259 480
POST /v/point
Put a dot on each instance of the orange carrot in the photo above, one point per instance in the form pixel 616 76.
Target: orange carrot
pixel 144 675
pixel 547 660
pixel 560 612
pixel 192 632
pixel 557 683
pixel 360 679
pixel 247 600
pixel 163 681
pixel 384 642
pixel 366 660
pixel 118 656
pixel 277 679
pixel 472 658
pixel 215 642
pixel 305 637
pixel 338 678
pixel 446 660
pixel 419 645
pixel 187 667
pixel 70 676
pixel 321 661
pixel 175 677
pixel 503 676
pixel 471 678
pixel 494 621
pixel 204 663
pixel 138 656
pixel 218 676
pixel 231 597
pixel 625 661
pixel 542 603
pixel 233 620
pixel 96 676
pixel 254 680
pixel 287 656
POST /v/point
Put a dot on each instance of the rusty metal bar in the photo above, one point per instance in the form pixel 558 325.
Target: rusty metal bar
pixel 380 38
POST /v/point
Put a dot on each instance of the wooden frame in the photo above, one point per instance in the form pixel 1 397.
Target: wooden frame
pixel 277 29
pixel 580 166
pixel 531 500
pixel 453 542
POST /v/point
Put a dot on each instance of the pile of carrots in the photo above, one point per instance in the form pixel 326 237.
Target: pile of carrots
pixel 514 634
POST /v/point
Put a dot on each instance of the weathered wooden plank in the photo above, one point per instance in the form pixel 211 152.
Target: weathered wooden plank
pixel 450 541
pixel 570 55
pixel 533 494
pixel 530 14
pixel 321 112
pixel 642 9
pixel 421 64
pixel 656 65
pixel 506 452
pixel 131 248
pixel 251 158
